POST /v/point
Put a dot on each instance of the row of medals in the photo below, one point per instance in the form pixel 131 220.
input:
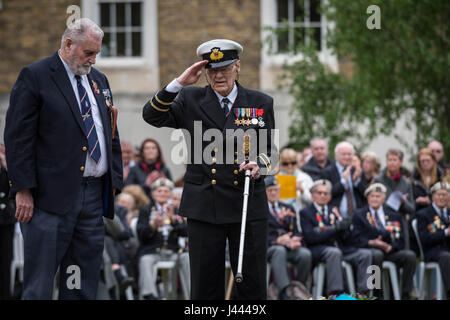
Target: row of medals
pixel 247 121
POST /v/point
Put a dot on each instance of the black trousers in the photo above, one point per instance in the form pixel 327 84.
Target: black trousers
pixel 6 253
pixel 207 244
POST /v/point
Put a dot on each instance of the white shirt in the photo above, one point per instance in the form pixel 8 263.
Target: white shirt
pixel 175 86
pixel 90 168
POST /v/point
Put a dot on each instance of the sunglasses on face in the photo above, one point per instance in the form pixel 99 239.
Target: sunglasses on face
pixel 293 163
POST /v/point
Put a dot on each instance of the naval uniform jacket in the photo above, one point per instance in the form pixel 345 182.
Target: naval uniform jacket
pixel 213 190
pixel 46 142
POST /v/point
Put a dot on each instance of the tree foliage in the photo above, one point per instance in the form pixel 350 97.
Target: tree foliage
pixel 401 71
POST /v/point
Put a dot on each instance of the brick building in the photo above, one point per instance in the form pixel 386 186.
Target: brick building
pixel 149 42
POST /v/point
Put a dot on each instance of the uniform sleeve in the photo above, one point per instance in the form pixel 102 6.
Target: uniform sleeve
pixel 21 131
pixel 163 110
pixel 267 160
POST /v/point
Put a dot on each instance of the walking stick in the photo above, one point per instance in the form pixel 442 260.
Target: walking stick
pixel 239 277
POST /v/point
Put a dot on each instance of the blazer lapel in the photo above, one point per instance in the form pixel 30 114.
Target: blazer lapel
pixel 61 79
pixel 212 109
pixel 101 104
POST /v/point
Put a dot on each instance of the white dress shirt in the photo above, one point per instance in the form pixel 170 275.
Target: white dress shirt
pixel 91 168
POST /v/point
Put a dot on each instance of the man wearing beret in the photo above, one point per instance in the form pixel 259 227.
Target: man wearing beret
pixel 433 224
pixel 329 237
pixel 380 229
pixel 217 117
pixel 285 241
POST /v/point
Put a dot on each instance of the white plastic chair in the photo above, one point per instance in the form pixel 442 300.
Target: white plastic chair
pixel 319 278
pixel 18 259
pixel 392 274
pixel 350 279
pixel 169 277
pixel 425 269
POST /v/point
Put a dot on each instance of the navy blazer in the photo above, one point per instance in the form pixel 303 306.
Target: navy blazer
pixel 213 187
pixel 316 239
pixel 277 228
pixel 366 231
pixel 45 138
pixel 431 232
pixel 331 173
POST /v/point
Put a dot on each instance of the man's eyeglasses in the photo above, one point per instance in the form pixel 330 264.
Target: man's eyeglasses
pixel 436 150
pixel 224 70
pixel 293 163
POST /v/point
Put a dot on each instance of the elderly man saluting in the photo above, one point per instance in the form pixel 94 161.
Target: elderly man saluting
pixel 64 162
pixel 212 197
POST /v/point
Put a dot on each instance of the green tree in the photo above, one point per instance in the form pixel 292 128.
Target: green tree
pixel 401 71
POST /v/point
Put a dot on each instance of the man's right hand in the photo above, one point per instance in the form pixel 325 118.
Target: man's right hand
pixel 24 205
pixel 192 74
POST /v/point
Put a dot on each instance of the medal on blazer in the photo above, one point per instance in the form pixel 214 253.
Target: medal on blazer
pixel 319 220
pixel 334 215
pixel 394 229
pixel 114 112
pixel 370 219
pixel 94 85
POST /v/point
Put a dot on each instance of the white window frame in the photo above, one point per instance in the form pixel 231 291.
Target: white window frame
pixel 269 19
pixel 149 45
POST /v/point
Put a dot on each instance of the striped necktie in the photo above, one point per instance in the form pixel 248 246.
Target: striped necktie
pixel 89 125
pixel 225 108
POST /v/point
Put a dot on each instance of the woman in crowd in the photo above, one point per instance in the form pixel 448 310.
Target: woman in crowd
pixel 425 175
pixel 371 166
pixel 150 167
pixel 288 166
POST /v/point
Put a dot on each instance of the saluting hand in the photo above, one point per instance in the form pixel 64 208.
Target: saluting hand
pixel 192 74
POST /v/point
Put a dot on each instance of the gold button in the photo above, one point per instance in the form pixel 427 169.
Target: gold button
pixel 235 183
pixel 84 149
pixel 213 170
pixel 214 160
pixel 213 181
pixel 235 172
pixel 215 149
pixel 235 153
pixel 82 168
pixel 235 161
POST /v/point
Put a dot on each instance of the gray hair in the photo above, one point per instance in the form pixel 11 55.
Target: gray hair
pixel 78 30
pixel 344 144
pixel 317 139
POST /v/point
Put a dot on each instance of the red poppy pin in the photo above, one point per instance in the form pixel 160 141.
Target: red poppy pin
pixel 94 85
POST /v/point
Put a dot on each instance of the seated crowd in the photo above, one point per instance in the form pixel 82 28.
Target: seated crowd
pixel 346 211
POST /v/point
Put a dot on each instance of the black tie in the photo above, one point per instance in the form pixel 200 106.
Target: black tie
pixel 225 102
